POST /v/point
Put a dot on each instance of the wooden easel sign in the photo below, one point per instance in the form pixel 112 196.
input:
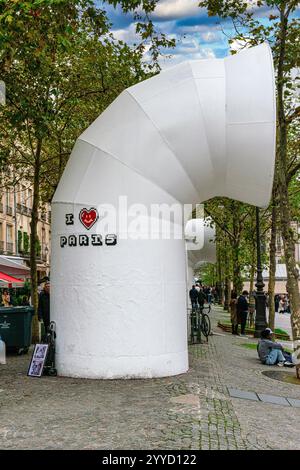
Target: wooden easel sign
pixel 38 360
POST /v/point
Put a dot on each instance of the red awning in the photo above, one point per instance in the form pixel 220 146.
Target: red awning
pixel 9 279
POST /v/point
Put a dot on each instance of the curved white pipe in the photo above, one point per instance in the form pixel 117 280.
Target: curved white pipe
pixel 197 130
pixel 200 245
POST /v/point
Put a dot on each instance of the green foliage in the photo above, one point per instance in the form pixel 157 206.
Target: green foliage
pixel 282 31
pixel 20 239
pixel 62 67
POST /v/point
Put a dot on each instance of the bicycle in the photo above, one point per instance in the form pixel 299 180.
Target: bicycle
pixel 205 323
pixel 194 325
pixel 200 323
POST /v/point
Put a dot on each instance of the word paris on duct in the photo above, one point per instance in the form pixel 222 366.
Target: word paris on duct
pixel 135 221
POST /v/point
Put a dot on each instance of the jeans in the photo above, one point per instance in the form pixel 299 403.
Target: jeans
pixel 274 356
pixel 194 304
pixel 243 321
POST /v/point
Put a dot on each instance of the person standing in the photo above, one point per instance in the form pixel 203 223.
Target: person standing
pixel 194 297
pixel 251 309
pixel 233 313
pixel 281 304
pixel 201 298
pixel 242 309
pixel 6 301
pixel 276 302
pixel 44 306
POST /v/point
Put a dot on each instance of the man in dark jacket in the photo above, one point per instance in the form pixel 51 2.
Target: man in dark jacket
pixel 242 310
pixel 44 306
pixel 194 297
pixel 201 298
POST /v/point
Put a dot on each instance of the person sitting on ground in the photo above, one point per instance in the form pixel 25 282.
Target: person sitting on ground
pixel 270 352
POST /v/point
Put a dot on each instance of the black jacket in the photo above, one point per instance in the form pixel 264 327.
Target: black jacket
pixel 201 297
pixel 242 304
pixel 44 307
pixel 194 295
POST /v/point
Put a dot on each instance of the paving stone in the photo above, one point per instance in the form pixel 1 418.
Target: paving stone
pixel 190 411
pixel 294 402
pixel 273 399
pixel 242 394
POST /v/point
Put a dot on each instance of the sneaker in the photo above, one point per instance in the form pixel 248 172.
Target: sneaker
pixel 288 364
pixel 280 364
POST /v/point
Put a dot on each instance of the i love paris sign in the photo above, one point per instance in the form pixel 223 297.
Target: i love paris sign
pixel 88 218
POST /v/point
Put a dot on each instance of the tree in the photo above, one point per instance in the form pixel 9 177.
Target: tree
pixel 282 33
pixel 61 68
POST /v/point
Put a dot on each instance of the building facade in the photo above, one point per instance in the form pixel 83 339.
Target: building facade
pixel 15 217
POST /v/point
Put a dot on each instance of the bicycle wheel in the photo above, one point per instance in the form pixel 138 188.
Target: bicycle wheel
pixel 193 320
pixel 205 325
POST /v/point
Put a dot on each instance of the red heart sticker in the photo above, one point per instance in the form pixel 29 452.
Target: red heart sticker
pixel 88 217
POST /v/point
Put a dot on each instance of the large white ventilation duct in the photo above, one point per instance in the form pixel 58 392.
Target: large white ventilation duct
pixel 200 129
pixel 200 245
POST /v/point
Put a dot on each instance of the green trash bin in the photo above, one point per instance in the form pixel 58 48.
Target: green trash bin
pixel 15 328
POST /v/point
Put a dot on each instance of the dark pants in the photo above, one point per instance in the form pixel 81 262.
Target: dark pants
pixel 243 322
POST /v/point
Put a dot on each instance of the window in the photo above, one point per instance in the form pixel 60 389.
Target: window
pixel 9 238
pixel 7 198
pixel 22 195
pixel 29 198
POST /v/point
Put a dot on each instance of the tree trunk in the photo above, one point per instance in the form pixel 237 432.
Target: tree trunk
pixel 219 267
pixel 33 243
pixel 272 265
pixel 235 249
pixel 285 212
pixel 227 276
pixel 292 271
pixel 253 268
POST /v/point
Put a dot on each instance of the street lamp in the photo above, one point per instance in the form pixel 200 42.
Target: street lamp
pixel 260 301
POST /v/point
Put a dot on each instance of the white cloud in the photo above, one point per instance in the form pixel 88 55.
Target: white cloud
pixel 187 49
pixel 210 36
pixel 127 35
pixel 176 8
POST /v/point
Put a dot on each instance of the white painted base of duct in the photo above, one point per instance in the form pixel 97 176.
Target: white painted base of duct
pixel 97 367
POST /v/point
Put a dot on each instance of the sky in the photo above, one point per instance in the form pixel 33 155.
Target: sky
pixel 197 35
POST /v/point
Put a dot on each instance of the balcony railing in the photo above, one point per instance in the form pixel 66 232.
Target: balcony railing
pixel 1 246
pixel 9 210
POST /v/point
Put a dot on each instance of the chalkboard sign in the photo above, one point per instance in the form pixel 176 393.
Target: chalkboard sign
pixel 38 360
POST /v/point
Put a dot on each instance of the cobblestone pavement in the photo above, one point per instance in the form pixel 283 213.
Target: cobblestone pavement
pixel 189 411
